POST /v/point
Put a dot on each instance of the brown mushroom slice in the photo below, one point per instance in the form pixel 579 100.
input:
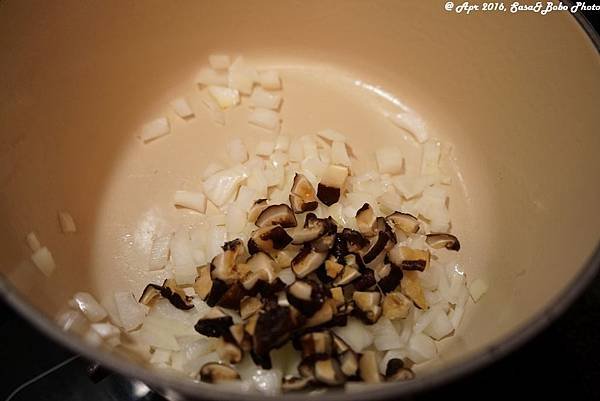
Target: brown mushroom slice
pixel 366 280
pixel 273 329
pixel 324 315
pixel 316 344
pixel 349 274
pixel 267 239
pixel 411 287
pixel 203 283
pixel 303 197
pixel 323 243
pixel 367 306
pixel 228 351
pixel 307 261
pixel 176 296
pixel 395 371
pixel 294 383
pixel 217 289
pixel 395 305
pixel 214 372
pixel 150 294
pixel 223 265
pixel 232 297
pixel 409 258
pixel 249 306
pixel 390 281
pixel 443 240
pixel 382 244
pixel 306 368
pixel 382 225
pixel 332 182
pixel 214 324
pixel 273 215
pixel 306 295
pixel 237 333
pixel 346 356
pixel 366 220
pixel 337 295
pixel 333 268
pixel 250 325
pixel 404 222
pixel 256 209
pixel 368 369
pixel 354 240
pixel 327 371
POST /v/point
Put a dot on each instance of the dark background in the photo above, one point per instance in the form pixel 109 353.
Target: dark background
pixel 563 361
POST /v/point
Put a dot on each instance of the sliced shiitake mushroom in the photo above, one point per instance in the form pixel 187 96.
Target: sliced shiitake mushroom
pixel 307 261
pixel 261 267
pixel 281 215
pixel 249 306
pixel 294 383
pixel 306 295
pixel 333 268
pixel 367 306
pixel 395 306
pixel 256 209
pixel 203 283
pixel 411 287
pixel 346 356
pixel 313 229
pixel 176 296
pixel 349 274
pixel 337 295
pixel 391 280
pixel 366 280
pixel 316 344
pixel 366 220
pixel 443 240
pixel 395 371
pixel 409 258
pixel 232 297
pixel 237 333
pixel 382 225
pixel 404 222
pixel 214 372
pixel 354 240
pixel 306 368
pixel 273 329
pixel 214 324
pixel 382 244
pixel 324 315
pixel 218 288
pixel 368 369
pixel 303 197
pixel 327 371
pixel 268 238
pixel 223 265
pixel 228 351
pixel 332 182
pixel 150 294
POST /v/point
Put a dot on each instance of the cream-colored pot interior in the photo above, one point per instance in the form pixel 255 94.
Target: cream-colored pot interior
pixel 517 96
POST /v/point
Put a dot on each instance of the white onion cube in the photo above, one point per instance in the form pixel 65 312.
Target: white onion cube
pixel 235 219
pixel 33 242
pixel 265 118
pixel 131 313
pixel 296 151
pixel 43 260
pixel 242 76
pixel 264 148
pixel 190 200
pixel 282 143
pixel 332 135
pixel 225 97
pixel 185 274
pixel 269 79
pixel 155 129
pixel 477 288
pixel 159 252
pixel 339 155
pixel 219 61
pixel 236 151
pixel 389 160
pixel 87 304
pixel 207 77
pixel 431 158
pixel 222 186
pixel 264 99
pixel 67 224
pixel 182 108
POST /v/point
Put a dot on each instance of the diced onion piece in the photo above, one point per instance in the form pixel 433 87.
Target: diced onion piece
pixel 385 335
pixel 217 220
pixel 236 151
pixel 216 239
pixel 269 79
pixel 216 114
pixel 33 242
pixel 265 118
pixel 411 123
pixel 235 219
pixel 199 257
pixel 106 330
pixel 43 260
pixel 246 197
pixel 264 148
pixel 412 186
pixel 421 348
pixel 181 249
pixel 242 76
pixel 314 165
pixel 282 143
pixel 131 313
pixel 219 61
pixel 185 274
pixel 258 182
pixel 207 77
pixel 182 108
pixel 92 338
pixel 389 160
pixel 264 99
pixel 339 155
pixel 155 129
pixel 73 321
pixel 431 158
pixel 149 335
pixel 296 151
pixel 279 158
pixel 440 326
pixel 211 169
pixel 225 97
pixel 334 176
pixel 89 306
pixel 160 356
pixel 67 224
pixel 190 200
pixel 267 382
pixel 332 135
pixel 355 334
pixel 390 201
pixel 222 186
pixel 309 146
pixel 274 176
pixel 477 288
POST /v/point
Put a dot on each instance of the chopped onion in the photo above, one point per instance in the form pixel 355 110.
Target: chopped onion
pixel 313 165
pixel 245 197
pixel 87 304
pixel 106 330
pixel 190 200
pixel 159 252
pixel 207 77
pixel 242 76
pixel 216 239
pixel 182 108
pixel 173 325
pixel 269 79
pixel 309 147
pixel 155 129
pixel 385 335
pixel 355 334
pixel 325 156
pixel 42 259
pixel 390 160
pixel 217 219
pixel 421 348
pixel 431 158
pixel 236 151
pixel 477 288
pixel 157 338
pixel 235 219
pixel 457 286
pixel 222 186
pixel 274 176
pixel 211 169
pixel 33 242
pixel 160 356
pixel 219 61
pixel 388 356
pixel 225 97
pixel 412 123
pixel 267 382
pixel 92 338
pixel 282 143
pixel 131 313
pixel 412 186
pixel 185 274
pixel 181 248
pixel 257 181
pixel 264 99
pixel 440 326
pixel 265 118
pixel 67 224
pixel 296 151
pixel 264 148
pixel 339 155
pixel 332 135
pixel 390 201
pixel 73 321
pixel 279 158
pixel 216 114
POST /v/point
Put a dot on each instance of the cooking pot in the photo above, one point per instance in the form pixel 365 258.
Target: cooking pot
pixel 516 94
